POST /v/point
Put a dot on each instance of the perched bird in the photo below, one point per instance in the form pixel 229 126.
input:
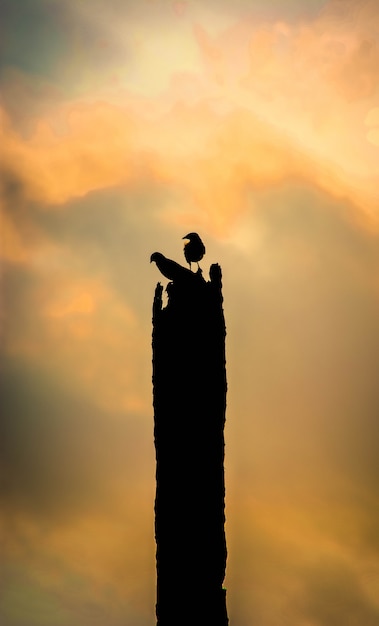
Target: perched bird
pixel 170 269
pixel 194 250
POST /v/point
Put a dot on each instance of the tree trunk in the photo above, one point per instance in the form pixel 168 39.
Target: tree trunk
pixel 189 379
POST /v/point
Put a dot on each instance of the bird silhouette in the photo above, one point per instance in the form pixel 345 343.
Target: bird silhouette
pixel 194 250
pixel 170 269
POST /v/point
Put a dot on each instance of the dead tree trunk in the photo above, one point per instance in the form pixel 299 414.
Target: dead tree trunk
pixel 189 379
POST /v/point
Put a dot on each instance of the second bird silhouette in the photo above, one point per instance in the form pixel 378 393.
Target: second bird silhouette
pixel 194 250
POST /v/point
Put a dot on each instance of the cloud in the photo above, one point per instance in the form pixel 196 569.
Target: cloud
pixel 372 121
pixel 55 169
pixel 282 103
pixel 302 362
pixel 37 595
pixel 255 133
pixel 60 451
pixel 106 147
pixel 76 494
pixel 334 593
pixel 72 322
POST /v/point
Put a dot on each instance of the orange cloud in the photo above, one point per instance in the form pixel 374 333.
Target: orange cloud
pixel 96 560
pixel 85 331
pixel 94 154
pixel 213 157
pixel 270 102
pixel 12 246
pixel 274 102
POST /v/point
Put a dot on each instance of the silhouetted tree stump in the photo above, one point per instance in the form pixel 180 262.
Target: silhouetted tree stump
pixel 189 379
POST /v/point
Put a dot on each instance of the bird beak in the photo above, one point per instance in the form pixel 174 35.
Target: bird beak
pixel 185 237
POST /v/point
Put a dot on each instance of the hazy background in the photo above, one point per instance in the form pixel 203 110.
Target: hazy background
pixel 126 125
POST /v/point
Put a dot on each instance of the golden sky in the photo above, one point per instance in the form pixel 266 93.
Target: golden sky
pixel 124 126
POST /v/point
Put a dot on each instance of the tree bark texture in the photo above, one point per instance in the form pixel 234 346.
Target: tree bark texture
pixel 189 381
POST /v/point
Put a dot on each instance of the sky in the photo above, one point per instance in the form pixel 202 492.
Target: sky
pixel 126 125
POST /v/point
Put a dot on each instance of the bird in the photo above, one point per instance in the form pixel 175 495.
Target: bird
pixel 170 269
pixel 194 250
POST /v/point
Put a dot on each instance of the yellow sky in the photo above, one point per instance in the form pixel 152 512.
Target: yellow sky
pixel 124 126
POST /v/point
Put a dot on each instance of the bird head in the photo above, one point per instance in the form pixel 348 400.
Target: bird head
pixel 155 256
pixel 191 236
